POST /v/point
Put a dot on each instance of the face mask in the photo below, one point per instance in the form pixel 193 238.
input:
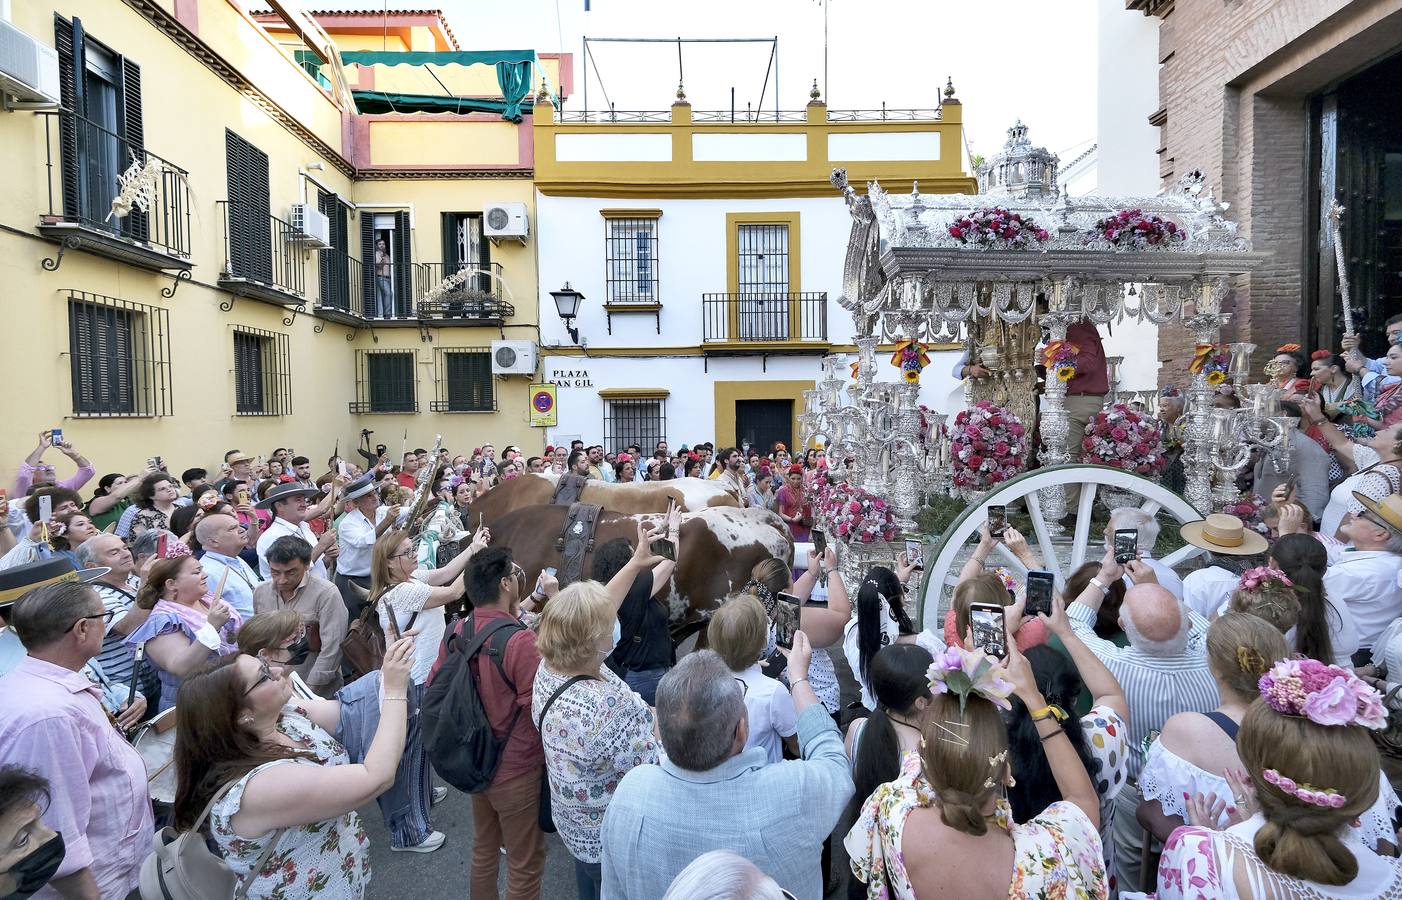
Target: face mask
pixel 35 870
pixel 617 632
pixel 298 651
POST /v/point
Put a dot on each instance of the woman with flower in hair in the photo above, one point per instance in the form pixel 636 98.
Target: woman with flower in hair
pixel 824 627
pixel 1285 366
pixel 1325 628
pixel 943 828
pixel 188 625
pixel 1314 769
pixel 794 505
pixel 1268 593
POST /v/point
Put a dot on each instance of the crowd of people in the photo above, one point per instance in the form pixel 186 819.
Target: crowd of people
pixel 1227 728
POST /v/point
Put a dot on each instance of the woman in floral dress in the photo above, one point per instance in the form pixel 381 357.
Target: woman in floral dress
pixel 943 828
pixel 288 781
pixel 1313 770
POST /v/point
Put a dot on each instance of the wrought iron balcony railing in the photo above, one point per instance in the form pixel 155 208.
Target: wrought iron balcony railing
pixel 87 166
pixel 765 317
pixel 465 291
pixel 341 284
pixel 263 257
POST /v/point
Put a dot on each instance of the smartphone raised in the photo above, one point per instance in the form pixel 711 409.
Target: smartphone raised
pixel 56 435
pixel 662 546
pixel 820 542
pixel 915 555
pixel 1040 585
pixel 997 520
pixel 990 632
pixel 548 570
pixel 1126 544
pixel 787 611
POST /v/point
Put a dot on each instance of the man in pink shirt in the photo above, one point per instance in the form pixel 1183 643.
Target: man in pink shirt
pixel 53 723
pixel 34 471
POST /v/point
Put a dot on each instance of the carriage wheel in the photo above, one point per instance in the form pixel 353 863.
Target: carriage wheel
pixel 1062 554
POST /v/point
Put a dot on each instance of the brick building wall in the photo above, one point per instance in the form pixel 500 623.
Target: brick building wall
pixel 1235 85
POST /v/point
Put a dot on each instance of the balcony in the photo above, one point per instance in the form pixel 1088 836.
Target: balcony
pixel 460 293
pixel 341 293
pixel 759 322
pixel 85 168
pixel 263 258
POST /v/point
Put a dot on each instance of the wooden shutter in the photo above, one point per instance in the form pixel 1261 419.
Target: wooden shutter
pixel 367 264
pixel 391 378
pixel 82 357
pixel 68 42
pixel 249 376
pixel 470 381
pixel 335 279
pixel 115 334
pixel 403 268
pixel 451 257
pixel 250 210
pixel 137 224
pixel 101 352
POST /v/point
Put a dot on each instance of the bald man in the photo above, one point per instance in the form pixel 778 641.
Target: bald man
pixel 222 538
pixel 1163 672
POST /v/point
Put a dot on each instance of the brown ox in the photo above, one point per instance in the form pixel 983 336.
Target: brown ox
pixel 691 494
pixel 719 548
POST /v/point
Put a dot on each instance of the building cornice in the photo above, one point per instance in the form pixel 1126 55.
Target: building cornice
pixel 438 173
pixel 167 24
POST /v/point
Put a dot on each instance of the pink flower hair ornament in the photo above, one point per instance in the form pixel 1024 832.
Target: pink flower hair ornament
pixel 1326 695
pixel 963 672
pixel 1305 793
pixel 1254 579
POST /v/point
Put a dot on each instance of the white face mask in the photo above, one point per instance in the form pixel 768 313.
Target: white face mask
pixel 617 632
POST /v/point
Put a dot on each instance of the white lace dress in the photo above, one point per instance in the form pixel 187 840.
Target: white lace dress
pixel 1166 777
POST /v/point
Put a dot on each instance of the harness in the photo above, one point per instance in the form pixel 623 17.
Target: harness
pixel 568 489
pixel 576 538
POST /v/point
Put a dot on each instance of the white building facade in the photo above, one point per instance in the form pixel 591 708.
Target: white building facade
pixel 710 254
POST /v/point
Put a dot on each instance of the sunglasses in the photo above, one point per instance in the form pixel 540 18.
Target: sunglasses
pixel 106 616
pixel 265 673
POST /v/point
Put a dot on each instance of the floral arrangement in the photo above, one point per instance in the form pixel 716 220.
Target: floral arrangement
pixel 1004 576
pixel 1132 228
pixel 910 357
pixel 1125 439
pixel 853 514
pixel 989 446
pixel 1263 577
pixel 998 228
pixel 1305 793
pixel 963 672
pixel 1060 357
pixel 1324 694
pixel 1248 508
pixel 1211 359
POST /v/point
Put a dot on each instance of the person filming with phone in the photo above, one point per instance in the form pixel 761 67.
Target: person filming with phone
pixel 635 575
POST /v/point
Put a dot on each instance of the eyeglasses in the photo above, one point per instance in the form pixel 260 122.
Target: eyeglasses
pixel 518 571
pixel 409 552
pixel 106 616
pixel 265 673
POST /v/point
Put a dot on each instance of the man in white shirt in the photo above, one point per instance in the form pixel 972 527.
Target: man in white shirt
pixel 1148 529
pixel 288 504
pixel 1366 574
pixel 222 539
pixel 1233 547
pixel 357 533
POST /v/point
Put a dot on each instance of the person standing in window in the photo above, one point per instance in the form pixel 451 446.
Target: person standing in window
pixel 384 288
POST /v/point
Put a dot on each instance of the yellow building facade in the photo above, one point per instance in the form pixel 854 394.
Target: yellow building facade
pixel 246 306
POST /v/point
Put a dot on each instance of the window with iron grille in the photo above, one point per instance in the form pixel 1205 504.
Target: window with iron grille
pixel 634 420
pixel 631 260
pixel 385 382
pixel 119 357
pixel 262 373
pixel 464 380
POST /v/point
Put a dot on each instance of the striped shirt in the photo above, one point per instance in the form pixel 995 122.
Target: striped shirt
pixel 116 657
pixel 1156 687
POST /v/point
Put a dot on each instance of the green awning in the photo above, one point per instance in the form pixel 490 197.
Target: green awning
pixel 446 58
pixel 384 102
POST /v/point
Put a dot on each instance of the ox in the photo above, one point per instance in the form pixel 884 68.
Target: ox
pixel 536 489
pixel 718 548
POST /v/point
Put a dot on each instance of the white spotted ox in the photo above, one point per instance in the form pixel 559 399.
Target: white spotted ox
pixel 718 548
pixel 536 489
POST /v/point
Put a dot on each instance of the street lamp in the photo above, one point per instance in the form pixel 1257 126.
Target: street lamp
pixel 567 305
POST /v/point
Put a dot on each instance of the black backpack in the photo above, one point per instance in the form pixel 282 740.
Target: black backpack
pixel 457 734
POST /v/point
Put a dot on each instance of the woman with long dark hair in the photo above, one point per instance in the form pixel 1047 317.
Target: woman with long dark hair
pixel 881 620
pixel 1325 628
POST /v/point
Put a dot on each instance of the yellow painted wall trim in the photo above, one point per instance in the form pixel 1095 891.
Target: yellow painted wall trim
pixel 699 350
pixel 728 392
pixel 727 190
pixel 631 213
pixel 634 393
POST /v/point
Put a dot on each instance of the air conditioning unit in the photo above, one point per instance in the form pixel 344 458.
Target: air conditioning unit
pixel 506 220
pixel 28 69
pixel 310 226
pixel 513 358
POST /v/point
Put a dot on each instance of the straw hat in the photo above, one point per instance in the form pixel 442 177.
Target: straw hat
pixel 1224 534
pixel 1388 509
pixel 17 581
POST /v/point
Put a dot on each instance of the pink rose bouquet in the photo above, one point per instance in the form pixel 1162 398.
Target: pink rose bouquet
pixel 989 446
pixel 1125 439
pixel 998 229
pixel 1248 508
pixel 1133 229
pixel 854 515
